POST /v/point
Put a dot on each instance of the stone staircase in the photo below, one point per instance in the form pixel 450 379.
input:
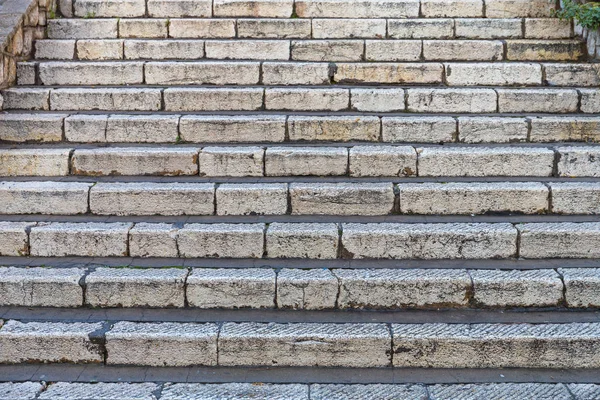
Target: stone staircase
pixel 341 199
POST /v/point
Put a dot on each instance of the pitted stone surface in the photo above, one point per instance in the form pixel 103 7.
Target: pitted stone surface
pixel 492 130
pixel 333 128
pixel 252 199
pixel 304 344
pixel 500 391
pixel 559 240
pixel 368 392
pixel 234 391
pixel 232 128
pixel 31 127
pixel 582 286
pixel 21 391
pixel 582 391
pixel 302 161
pixel 221 240
pixel 565 128
pixel 108 99
pixel 34 162
pixel 231 161
pixel 44 197
pixel 418 129
pixel 213 99
pixel 14 238
pixel 357 9
pixel 162 344
pixel 132 287
pixel 579 161
pixel 382 161
pixel 575 197
pixel 310 289
pixel 142 128
pixel 302 240
pixel 153 240
pixel 100 391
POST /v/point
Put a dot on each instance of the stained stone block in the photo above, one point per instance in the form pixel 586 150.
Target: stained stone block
pixel 14 238
pixel 292 73
pixel 179 8
pixel 231 161
pixel 99 49
pixel 100 390
pixel 492 130
pixel 253 8
pixel 493 74
pixel 582 286
pixel 575 197
pixel 367 392
pixel 334 128
pixel 388 73
pixel 217 99
pixel 153 240
pixel 106 99
pixel 412 28
pixel 382 161
pixel 418 129
pixel 31 127
pixel 327 50
pixel 232 128
pixel 221 240
pixel 86 128
pixel 201 73
pixel 303 99
pixel 252 199
pixel 94 28
pixel 578 161
pixel 274 28
pixel 142 128
pixel 450 100
pixel 302 240
pixel 201 28
pixel 34 162
pixel 489 28
pixel 377 100
pixel 213 391
pixel 248 50
pixel 306 289
pixel 559 240
pixel 19 98
pixel 357 9
pixel 303 161
pixel 164 49
pixel 537 100
pixel 333 28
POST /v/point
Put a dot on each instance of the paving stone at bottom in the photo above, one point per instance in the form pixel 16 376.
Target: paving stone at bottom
pixel 368 392
pixel 100 391
pixel 20 391
pixel 304 344
pixel 500 391
pixel 234 391
pixel 584 391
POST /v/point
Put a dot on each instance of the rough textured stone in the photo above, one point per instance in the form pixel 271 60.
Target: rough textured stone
pixel 109 8
pixel 153 240
pixel 419 129
pixel 547 28
pixel 514 288
pixel 304 344
pixel 217 99
pixel 91 73
pixel 310 289
pixel 201 28
pixel 231 288
pixel 302 99
pixel 327 50
pixel 559 240
pixel 505 391
pixel 302 240
pixel 44 197
pixel 54 49
pixel 292 73
pixel 393 50
pixel 201 73
pixel 248 49
pixel 581 286
pixel 164 49
pixel 402 288
pixel 212 391
pixel 371 392
pixel 13 238
pixel 488 28
pixel 253 8
pixel 106 99
pixel 582 391
pixel 492 130
pixel 357 9
pixel 179 8
pixel 26 73
pixel 133 287
pixel 100 391
pixel 572 74
pixel 142 128
pixel 377 100
pixel 429 241
pixel 434 28
pixel 274 28
pixel 382 161
pixel 575 197
pixel 463 50
pixel 231 161
pixel 348 28
pixel 303 161
pixel 493 74
pixel 565 129
pixel 388 73
pixel 99 49
pixel 22 390
pixel 519 8
pixel 590 101
pixel 578 161
pixel 232 128
pixel 82 28
pixel 334 128
pixel 41 287
pixel 450 100
pixel 221 240
pixel 86 128
pixel 34 162
pixel 143 28
pixel 452 8
pixel 252 199
pixel 26 99
pixel 537 100
pixel 31 127
pixel 544 50
pixel 162 344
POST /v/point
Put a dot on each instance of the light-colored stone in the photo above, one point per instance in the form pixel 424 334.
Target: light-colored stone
pixel 572 74
pixel 109 8
pixel 493 74
pixel 295 73
pixel 514 288
pixel 34 162
pixel 231 161
pixel 419 129
pixel 91 239
pixel 14 238
pixel 463 50
pixel 370 391
pixel 505 391
pixel 485 161
pixel 429 241
pixel 179 8
pixel 341 198
pixel 135 161
pixel 106 99
pixel 559 240
pixel 21 391
pixel 96 28
pixel 45 342
pixel 304 344
pixel 303 161
pixel 582 286
pixel 162 344
pixel 519 8
pixel 213 99
pixel 31 127
pixel 302 99
pixel 153 240
pixel 377 100
pixel 388 73
pixel 302 240
pixel 91 73
pixel 134 287
pixel 252 199
pixel 231 288
pixel 164 49
pixel 142 128
pixel 274 28
pixel 537 100
pixel 583 391
pixel 100 390
pixel 248 49
pixel 327 50
pixel 26 99
pixel 200 73
pixel 578 161
pixel 26 73
pixel 232 128
pixel 221 240
pixel 547 28
pixel 357 9
pixel 212 391
pixel 41 287
pixel 334 128
pixel 489 28
pixel 44 197
pixel 99 49
pixel 590 101
pixel 393 50
pixel 54 49
pixel 451 100
pixel 332 28
pixel 382 161
pixel 452 8
pixel 143 28
pixel 575 197
pixel 492 130
pixel 86 128
pixel 434 28
pixel 306 289
pixel 402 288
pixel 201 28
pixel 544 50
pixel 253 8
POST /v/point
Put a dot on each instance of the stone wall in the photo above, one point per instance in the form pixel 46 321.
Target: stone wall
pixel 592 37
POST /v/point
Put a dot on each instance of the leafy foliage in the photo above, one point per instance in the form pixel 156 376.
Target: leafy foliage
pixel 587 15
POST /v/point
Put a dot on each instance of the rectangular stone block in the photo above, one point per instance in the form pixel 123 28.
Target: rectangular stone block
pixel 231 288
pixel 248 49
pixel 252 199
pixel 91 73
pixel 575 197
pixel 275 28
pixel 357 9
pixel 153 240
pixel 14 238
pixel 49 342
pixel 99 390
pixel 162 344
pixel 489 28
pixel 201 28
pixel 91 239
pixel 429 241
pixel 26 73
pixel 142 128
pixel 201 73
pixel 26 99
pixel 537 100
pixel 450 100
pixel 253 8
pixel 590 101
pixel 402 288
pixel 302 99
pixel 231 161
pixel 96 28
pixel 311 289
pixel 382 161
pixel 213 391
pixel 578 161
pixel 302 240
pixel 106 99
pixel 547 28
pixel 134 287
pixel 24 391
pixel 419 129
pixel 544 50
pixel 348 28
pixel 349 391
pixel 44 197
pixel 485 161
pixel 514 288
pixel 86 128
pixel 581 286
pixel 232 128
pixel 217 99
pixel 388 73
pixel 304 161
pixel 31 127
pixel 143 28
pixel 377 100
pixel 221 240
pixel 463 50
pixel 493 74
pixel 34 162
pixel 434 28
pixel 341 198
pixel 559 240
pixel 100 49
pixel 393 50
pixel 502 390
pixel 452 8
pixel 54 49
pixel 295 73
pixel 109 8
pixel 166 49
pixel 338 129
pixel 41 287
pixel 135 161
pixel 492 130
pixel 304 344
pixel 327 50
pixel 572 74
pixel 519 8
pixel 179 8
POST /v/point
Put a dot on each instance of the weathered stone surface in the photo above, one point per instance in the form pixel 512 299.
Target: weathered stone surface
pixel 393 50
pixel 162 344
pixel 388 73
pixel 31 127
pixel 142 128
pixel 514 288
pixel 179 8
pixel 519 8
pixel 91 73
pixel 419 129
pixel 232 128
pixel 559 240
pixel 44 197
pixel 54 49
pixel 231 288
pixel 357 9
pixel 590 101
pixel 341 198
pixel 13 238
pixel 274 28
pixel 26 73
pixel 153 240
pixel 212 391
pixel 143 28
pixel 493 74
pixel 575 197
pixel 109 8
pixel 505 391
pixel 221 240
pixel 473 198
pixel 201 28
pixel 302 99
pixel 581 286
pixel 86 128
pixel 578 161
pixel 547 28
pixel 488 28
pixel 164 49
pixel 26 99
pixel 463 50
pixel 152 198
pixel 292 73
pixel 41 287
pixel 377 100
pixel 304 344
pixel 252 199
pixel 92 239
pixel 572 74
pixel 402 288
pixel 451 100
pixel 22 390
pixel 334 128
pixel 371 392
pixel 544 50
pixel 348 28
pixel 22 342
pixel 135 161
pixel 34 162
pixel 100 390
pixel 434 28
pixel 327 50
pixel 217 99
pixel 310 289
pixel 134 287
pixel 429 241
pixel 492 130
pixel 253 8
pixel 82 28
pixel 231 161
pixel 200 73
pixel 537 100
pixel 382 161
pixel 452 8
pixel 248 49
pixel 106 99
pixel 570 345
pixel 304 161
pixel 99 49
pixel 485 161
pixel 584 391
pixel 302 240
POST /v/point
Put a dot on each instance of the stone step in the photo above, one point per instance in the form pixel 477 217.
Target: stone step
pixel 302 240
pixel 307 28
pixel 425 100
pixel 264 391
pixel 310 50
pixel 298 289
pixel 263 128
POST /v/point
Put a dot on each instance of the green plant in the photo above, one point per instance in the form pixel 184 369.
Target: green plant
pixel 587 15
